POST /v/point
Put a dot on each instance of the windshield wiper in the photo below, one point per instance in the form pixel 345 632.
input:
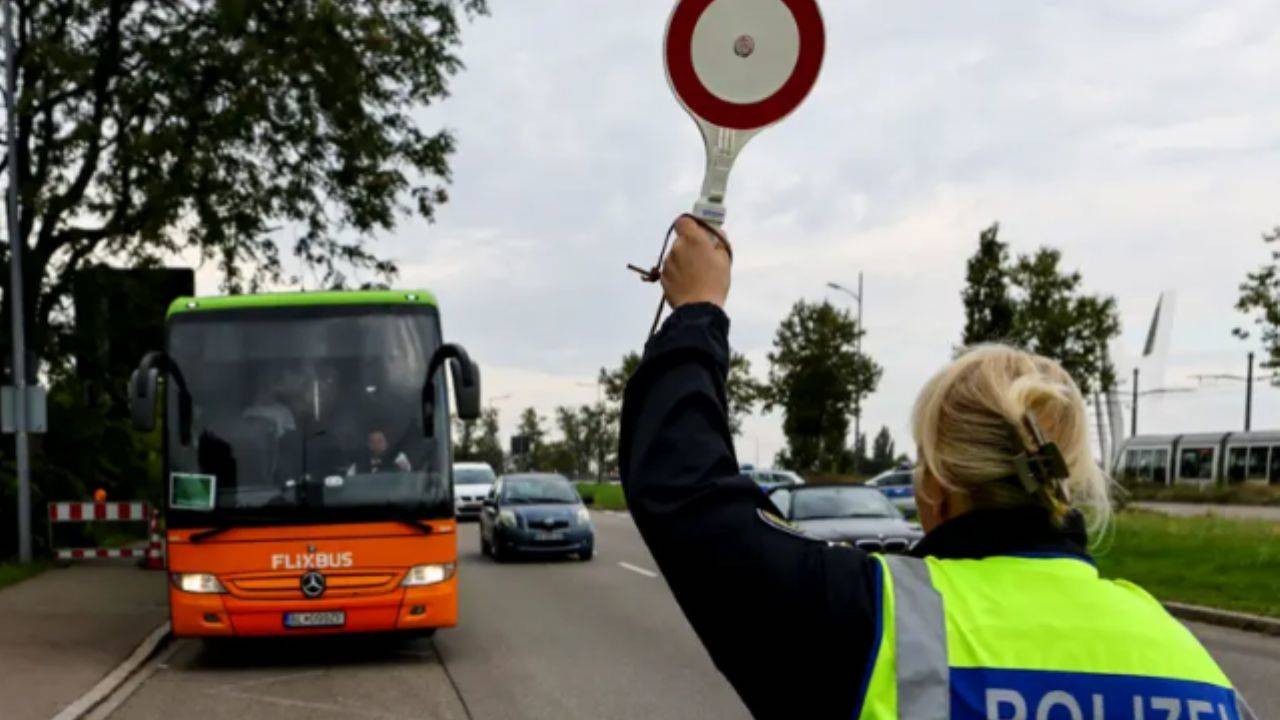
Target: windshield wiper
pixel 206 534
pixel 416 525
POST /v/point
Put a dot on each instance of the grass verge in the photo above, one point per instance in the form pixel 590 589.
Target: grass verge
pixel 11 573
pixel 1216 562
pixel 603 496
pixel 1240 494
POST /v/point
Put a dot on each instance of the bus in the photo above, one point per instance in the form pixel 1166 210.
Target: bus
pixel 307 462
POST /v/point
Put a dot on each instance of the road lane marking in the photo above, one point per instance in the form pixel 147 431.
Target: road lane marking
pixel 638 570
pixel 108 707
pixel 116 677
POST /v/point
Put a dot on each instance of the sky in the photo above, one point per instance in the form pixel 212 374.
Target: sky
pixel 1142 142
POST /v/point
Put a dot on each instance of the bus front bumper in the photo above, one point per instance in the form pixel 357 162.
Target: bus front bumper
pixel 404 609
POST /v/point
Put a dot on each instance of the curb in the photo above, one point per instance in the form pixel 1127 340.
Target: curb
pixel 117 677
pixel 1225 618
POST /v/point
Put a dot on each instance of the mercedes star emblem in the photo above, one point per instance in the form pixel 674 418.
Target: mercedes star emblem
pixel 312 584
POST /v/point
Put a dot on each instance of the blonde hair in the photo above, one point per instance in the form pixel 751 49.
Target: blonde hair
pixel 969 424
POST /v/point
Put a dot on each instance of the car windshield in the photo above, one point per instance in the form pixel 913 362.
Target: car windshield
pixel 539 490
pixel 472 476
pixel 299 412
pixel 834 502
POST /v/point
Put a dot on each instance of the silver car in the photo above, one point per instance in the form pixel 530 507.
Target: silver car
pixel 472 482
pixel 857 515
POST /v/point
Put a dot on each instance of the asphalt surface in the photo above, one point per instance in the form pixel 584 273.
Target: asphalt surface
pixel 537 639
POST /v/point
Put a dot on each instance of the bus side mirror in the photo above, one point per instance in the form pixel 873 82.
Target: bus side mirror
pixel 466 385
pixel 143 384
pixel 466 388
pixel 142 398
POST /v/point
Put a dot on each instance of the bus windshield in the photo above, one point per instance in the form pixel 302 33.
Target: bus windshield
pixel 308 414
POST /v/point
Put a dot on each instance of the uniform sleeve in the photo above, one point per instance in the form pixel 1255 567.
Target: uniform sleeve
pixel 791 622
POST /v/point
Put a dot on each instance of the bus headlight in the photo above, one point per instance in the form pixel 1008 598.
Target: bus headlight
pixel 420 575
pixel 202 583
pixel 584 517
pixel 507 518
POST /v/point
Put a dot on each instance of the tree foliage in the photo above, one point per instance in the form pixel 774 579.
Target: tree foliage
pixel 148 128
pixel 1260 297
pixel 988 310
pixel 815 375
pixel 744 391
pixel 480 440
pixel 1031 302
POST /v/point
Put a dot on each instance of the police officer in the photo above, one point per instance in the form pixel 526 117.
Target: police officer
pixel 999 613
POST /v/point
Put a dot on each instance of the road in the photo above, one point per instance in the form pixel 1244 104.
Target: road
pixel 560 639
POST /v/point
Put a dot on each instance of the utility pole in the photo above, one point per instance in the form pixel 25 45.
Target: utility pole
pixel 857 398
pixel 21 448
pixel 1133 430
pixel 1248 397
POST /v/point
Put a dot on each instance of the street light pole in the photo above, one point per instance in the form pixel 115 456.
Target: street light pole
pixel 1248 397
pixel 21 449
pixel 1134 421
pixel 857 398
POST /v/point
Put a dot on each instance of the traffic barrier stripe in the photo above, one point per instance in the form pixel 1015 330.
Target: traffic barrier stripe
pixel 86 511
pixel 93 553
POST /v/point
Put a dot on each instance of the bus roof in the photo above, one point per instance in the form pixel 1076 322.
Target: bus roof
pixel 301 299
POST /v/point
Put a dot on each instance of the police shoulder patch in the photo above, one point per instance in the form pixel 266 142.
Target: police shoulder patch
pixel 777 523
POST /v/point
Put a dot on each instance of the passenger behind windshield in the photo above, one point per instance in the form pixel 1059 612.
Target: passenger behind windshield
pixel 540 491
pixel 379 457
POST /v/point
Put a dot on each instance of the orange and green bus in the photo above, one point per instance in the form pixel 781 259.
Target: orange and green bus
pixel 307 462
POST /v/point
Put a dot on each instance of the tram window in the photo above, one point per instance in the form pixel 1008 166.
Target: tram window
pixel 1144 464
pixel 1274 474
pixel 1128 469
pixel 1258 463
pixel 1160 467
pixel 1195 464
pixel 1237 457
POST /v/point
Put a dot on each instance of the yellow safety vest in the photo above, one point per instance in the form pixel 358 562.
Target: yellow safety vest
pixel 1033 638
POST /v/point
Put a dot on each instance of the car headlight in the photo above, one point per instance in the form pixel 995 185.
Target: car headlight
pixel 420 575
pixel 584 517
pixel 507 518
pixel 202 583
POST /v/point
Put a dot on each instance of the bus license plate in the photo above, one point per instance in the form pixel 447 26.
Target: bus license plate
pixel 334 618
pixel 547 536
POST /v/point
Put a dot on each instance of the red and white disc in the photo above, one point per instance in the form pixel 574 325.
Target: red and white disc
pixel 744 64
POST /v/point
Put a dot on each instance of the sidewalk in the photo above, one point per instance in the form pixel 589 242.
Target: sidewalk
pixel 1234 512
pixel 63 630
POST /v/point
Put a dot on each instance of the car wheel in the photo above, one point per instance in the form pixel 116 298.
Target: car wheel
pixel 497 553
pixel 587 554
pixel 484 547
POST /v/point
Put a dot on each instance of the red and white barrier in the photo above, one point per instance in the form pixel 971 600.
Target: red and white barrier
pixel 100 553
pixel 86 511
pixel 80 512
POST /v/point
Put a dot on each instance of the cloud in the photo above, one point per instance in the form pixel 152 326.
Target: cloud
pixel 1138 139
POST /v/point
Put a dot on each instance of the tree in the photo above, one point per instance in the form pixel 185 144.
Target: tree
pixel 882 456
pixel 480 440
pixel 815 374
pixel 147 129
pixel 589 435
pixel 988 310
pixel 489 443
pixel 1051 315
pixel 531 428
pixel 743 391
pixel 1260 296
